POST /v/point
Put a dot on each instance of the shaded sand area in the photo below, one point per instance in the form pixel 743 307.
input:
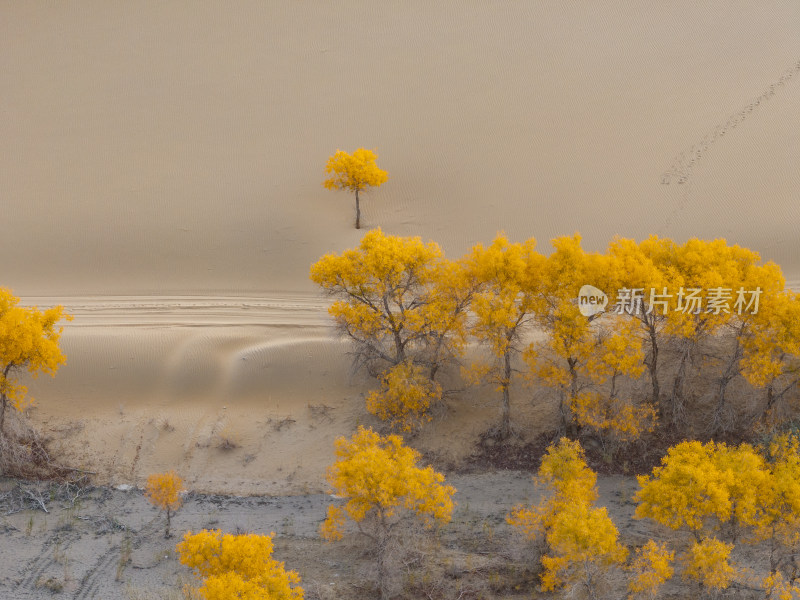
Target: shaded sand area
pixel 161 176
pixel 239 395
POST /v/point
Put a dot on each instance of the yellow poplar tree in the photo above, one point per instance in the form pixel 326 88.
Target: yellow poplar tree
pixel 737 269
pixel 507 277
pixel 237 567
pixel 381 483
pixel 163 490
pixel 771 353
pixel 634 270
pixel 613 417
pixel 707 562
pixel 28 343
pixel 583 544
pixel 780 502
pixel 560 359
pixel 354 173
pixel 581 540
pixel 397 299
pixel 705 488
pixel 651 568
pixel 405 397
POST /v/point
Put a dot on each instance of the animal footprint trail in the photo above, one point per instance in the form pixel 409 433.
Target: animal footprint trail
pixel 681 169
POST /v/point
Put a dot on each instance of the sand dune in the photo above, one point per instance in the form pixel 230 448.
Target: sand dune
pixel 162 165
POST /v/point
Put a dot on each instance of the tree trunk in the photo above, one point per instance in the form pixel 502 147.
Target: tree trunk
pixel 358 213
pixel 382 548
pixel 653 364
pixel 677 399
pixel 166 535
pixel 3 414
pixel 563 409
pixel 4 398
pixel 505 424
pixel 770 401
pixel 731 370
pixel 573 429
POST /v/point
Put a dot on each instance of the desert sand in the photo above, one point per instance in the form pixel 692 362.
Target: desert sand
pixel 162 172
pixel 161 177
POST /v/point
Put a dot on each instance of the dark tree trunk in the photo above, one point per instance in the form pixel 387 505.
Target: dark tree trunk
pixel 731 370
pixel 3 414
pixel 678 386
pixel 4 399
pixel 573 429
pixel 652 365
pixel 505 423
pixel 382 548
pixel 358 213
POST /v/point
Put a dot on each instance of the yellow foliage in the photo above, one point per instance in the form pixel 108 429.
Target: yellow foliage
pixel 354 172
pixel 707 562
pixel 564 470
pixel 777 588
pixel 332 526
pixel 698 482
pixel 613 417
pixel 772 342
pixel 405 397
pixel 507 278
pixel 28 341
pixel 581 539
pixel 569 344
pixel 650 569
pixel 619 352
pixel 237 566
pixel 163 490
pixel 397 299
pixel 379 476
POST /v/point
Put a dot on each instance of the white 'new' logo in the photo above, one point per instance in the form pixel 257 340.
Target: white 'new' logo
pixel 591 301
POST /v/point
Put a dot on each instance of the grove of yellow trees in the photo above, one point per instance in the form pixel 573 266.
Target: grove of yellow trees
pixel 702 336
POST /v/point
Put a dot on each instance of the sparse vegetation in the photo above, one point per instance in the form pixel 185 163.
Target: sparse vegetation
pixel 163 490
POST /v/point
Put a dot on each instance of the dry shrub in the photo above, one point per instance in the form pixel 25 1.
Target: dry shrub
pixel 24 453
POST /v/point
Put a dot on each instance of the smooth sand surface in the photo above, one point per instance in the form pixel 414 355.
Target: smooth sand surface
pixel 162 165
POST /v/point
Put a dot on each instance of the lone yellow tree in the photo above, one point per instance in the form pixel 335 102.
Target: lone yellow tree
pixel 28 342
pixel 380 479
pixel 354 173
pixel 163 491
